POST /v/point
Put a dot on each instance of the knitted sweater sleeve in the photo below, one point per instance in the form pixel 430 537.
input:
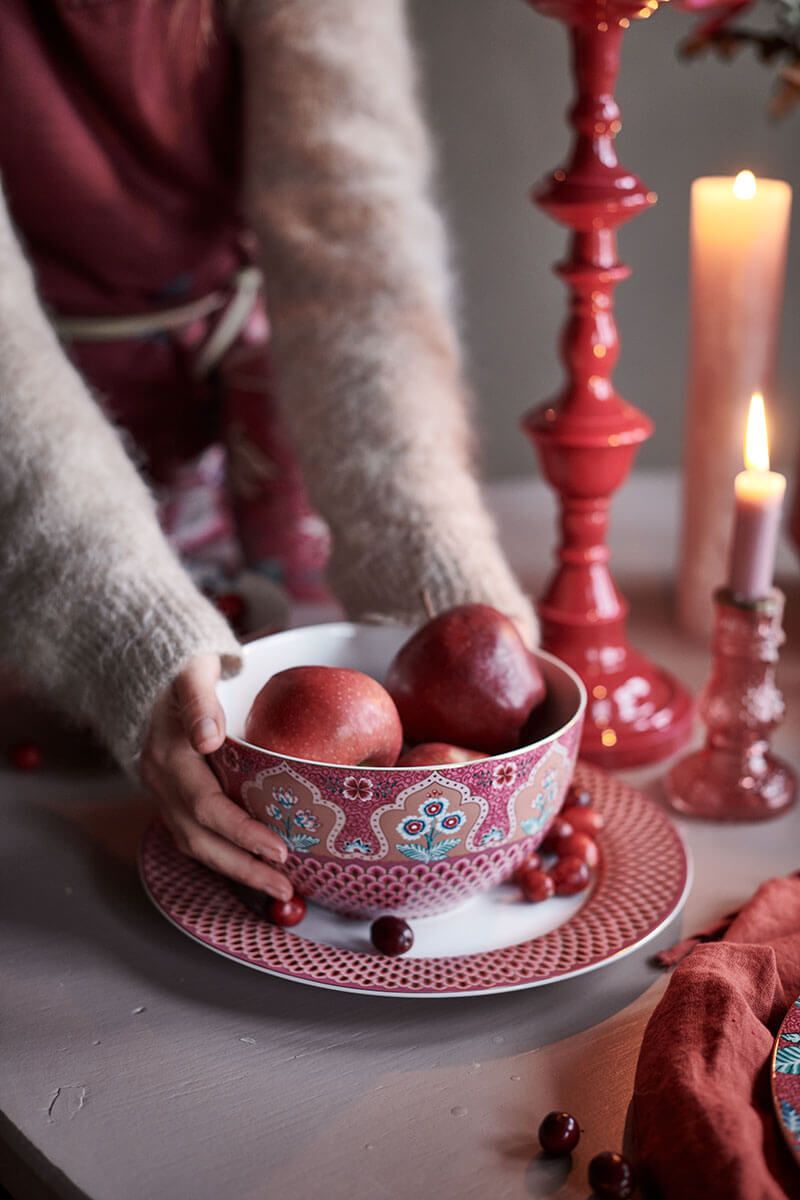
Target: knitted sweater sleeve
pixel 338 190
pixel 94 608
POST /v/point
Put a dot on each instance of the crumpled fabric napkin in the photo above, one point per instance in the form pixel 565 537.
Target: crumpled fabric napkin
pixel 701 1122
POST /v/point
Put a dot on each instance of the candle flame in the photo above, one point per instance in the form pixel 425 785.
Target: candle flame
pixel 756 445
pixel 744 185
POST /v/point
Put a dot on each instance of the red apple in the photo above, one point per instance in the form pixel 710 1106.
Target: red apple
pixel 436 754
pixel 466 678
pixel 326 714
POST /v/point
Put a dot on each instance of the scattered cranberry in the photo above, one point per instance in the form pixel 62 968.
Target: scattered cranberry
pixel 561 828
pixel 233 608
pixel 532 863
pixel 536 885
pixel 285 912
pixel 577 798
pixel 391 935
pixel 570 876
pixel 279 912
pixel 559 1134
pixel 586 820
pixel 611 1176
pixel 580 845
pixel 25 756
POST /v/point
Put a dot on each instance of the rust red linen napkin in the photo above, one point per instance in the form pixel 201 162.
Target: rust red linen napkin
pixel 701 1122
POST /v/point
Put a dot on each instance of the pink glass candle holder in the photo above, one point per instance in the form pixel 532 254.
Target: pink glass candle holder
pixel 735 777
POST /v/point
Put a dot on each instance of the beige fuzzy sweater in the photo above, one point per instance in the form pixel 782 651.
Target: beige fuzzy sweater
pixel 94 605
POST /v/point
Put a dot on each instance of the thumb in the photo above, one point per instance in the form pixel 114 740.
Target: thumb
pixel 199 710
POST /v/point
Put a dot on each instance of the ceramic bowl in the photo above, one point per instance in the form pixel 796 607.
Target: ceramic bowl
pixel 412 841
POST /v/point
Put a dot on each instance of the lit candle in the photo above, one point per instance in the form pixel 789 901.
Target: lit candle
pixel 739 231
pixel 759 499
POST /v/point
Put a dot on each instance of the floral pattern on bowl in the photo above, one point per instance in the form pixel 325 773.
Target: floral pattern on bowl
pixel 414 840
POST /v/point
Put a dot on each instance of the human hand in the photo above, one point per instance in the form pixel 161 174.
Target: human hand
pixel 188 722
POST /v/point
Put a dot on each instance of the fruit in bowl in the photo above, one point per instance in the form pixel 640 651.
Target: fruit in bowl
pixel 467 678
pixel 402 840
pixel 436 754
pixel 328 714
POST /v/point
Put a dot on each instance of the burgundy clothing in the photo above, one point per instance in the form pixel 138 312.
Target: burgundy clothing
pixel 119 153
pixel 120 150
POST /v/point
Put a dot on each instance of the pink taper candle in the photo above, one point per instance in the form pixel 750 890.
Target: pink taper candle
pixel 759 499
pixel 739 233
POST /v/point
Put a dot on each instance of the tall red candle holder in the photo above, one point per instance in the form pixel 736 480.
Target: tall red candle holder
pixel 588 434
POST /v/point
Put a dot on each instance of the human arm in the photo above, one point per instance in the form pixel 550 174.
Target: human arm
pixel 338 190
pixel 95 610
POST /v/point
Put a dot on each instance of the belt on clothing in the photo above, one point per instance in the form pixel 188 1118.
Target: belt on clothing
pixel 233 309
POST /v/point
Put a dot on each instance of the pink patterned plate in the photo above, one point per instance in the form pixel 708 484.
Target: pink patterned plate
pixel 786 1077
pixel 494 943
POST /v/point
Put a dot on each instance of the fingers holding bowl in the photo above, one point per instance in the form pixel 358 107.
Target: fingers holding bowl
pixel 222 856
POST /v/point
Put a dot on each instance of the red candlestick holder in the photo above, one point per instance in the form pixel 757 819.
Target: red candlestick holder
pixel 735 777
pixel 588 434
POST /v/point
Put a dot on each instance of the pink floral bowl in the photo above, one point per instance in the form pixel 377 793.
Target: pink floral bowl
pixel 406 840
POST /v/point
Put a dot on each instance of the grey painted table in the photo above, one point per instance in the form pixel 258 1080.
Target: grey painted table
pixel 136 1065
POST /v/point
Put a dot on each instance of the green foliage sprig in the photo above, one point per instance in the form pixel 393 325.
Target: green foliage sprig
pixel 778 46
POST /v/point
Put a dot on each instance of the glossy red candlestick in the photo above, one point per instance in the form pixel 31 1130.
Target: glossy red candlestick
pixel 587 435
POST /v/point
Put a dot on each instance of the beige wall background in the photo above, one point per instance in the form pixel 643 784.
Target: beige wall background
pixel 497 85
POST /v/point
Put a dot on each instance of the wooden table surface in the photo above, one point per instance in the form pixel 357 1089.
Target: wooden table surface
pixel 137 1065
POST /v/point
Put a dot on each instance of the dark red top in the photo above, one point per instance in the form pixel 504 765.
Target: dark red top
pixel 119 153
pixel 119 149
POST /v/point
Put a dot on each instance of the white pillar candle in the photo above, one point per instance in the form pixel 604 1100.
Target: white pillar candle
pixel 739 231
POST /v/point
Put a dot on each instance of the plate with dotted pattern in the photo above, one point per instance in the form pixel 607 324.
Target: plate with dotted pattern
pixel 494 943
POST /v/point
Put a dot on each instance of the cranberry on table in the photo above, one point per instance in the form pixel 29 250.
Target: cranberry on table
pixel 570 876
pixel 559 1134
pixel 586 820
pixel 391 935
pixel 285 912
pixel 611 1176
pixel 580 845
pixel 561 828
pixel 25 756
pixel 536 885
